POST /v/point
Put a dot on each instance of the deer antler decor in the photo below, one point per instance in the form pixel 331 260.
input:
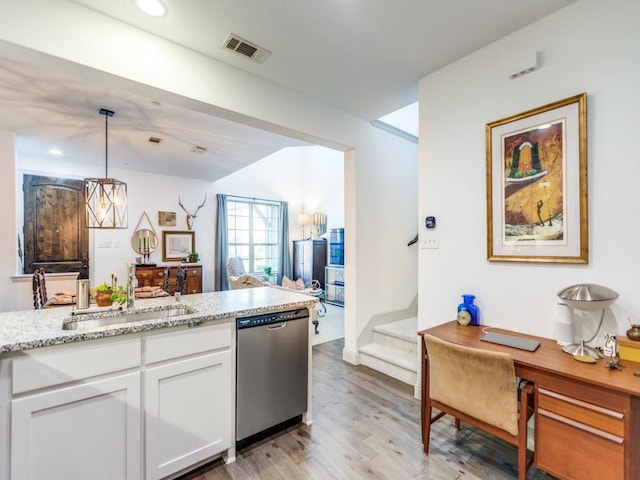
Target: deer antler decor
pixel 192 216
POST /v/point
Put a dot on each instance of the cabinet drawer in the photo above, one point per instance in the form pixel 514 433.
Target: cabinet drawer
pixel 568 450
pixel 145 273
pixel 194 272
pixel 585 413
pixel 66 363
pixel 165 346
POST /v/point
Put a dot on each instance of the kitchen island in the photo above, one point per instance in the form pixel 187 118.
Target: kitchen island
pixel 147 399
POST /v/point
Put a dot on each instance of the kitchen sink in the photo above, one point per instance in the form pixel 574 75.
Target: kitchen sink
pixel 99 319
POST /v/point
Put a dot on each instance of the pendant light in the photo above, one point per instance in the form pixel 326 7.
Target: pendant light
pixel 106 198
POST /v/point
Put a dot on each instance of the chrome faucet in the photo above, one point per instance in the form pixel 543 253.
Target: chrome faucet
pixel 132 283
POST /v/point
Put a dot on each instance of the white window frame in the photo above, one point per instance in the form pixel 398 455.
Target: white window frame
pixel 250 246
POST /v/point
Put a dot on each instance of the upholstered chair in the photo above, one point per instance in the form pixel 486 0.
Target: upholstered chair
pixel 239 278
pixel 39 289
pixel 181 280
pixel 478 387
pixel 165 279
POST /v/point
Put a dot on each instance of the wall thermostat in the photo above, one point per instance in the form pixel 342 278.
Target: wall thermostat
pixel 430 222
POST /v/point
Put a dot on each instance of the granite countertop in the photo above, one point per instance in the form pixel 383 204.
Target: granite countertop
pixel 27 329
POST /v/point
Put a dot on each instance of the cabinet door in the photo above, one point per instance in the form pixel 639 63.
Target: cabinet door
pixel 194 280
pixel 188 412
pixel 299 261
pixel 84 431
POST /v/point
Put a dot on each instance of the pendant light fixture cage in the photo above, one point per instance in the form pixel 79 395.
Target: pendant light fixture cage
pixel 106 198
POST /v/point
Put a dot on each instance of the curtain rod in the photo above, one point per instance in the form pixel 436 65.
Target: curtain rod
pixel 240 197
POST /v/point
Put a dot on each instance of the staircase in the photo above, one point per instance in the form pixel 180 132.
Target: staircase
pixel 393 351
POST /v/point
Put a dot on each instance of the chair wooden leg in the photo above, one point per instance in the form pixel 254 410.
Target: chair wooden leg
pixel 457 423
pixel 426 431
pixel 526 397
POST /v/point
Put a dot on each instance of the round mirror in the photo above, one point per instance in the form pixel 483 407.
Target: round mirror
pixel 144 241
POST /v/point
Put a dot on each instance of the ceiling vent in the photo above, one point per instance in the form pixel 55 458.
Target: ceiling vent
pixel 247 49
pixel 155 140
pixel 198 149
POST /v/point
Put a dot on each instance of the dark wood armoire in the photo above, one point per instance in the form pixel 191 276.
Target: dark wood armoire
pixel 309 260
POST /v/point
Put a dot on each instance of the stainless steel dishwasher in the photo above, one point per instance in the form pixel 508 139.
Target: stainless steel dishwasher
pixel 272 370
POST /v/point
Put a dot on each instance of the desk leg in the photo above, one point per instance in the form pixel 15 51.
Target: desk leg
pixel 425 410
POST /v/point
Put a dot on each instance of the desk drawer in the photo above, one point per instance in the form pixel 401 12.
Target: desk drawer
pixel 585 413
pixel 577 439
pixel 567 451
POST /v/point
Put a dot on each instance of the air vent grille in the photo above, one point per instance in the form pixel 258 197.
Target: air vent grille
pixel 245 48
pixel 198 149
pixel 155 140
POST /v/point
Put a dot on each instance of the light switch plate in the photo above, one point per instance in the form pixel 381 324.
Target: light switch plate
pixel 430 240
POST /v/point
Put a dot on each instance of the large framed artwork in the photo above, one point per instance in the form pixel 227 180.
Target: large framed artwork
pixel 176 246
pixel 537 184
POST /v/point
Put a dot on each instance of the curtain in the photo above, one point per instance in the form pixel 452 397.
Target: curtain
pixel 284 264
pixel 222 246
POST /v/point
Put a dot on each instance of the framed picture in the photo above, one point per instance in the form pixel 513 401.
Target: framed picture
pixel 176 246
pixel 537 185
pixel 167 219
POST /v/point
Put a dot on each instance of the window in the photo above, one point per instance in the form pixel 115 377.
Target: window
pixel 253 233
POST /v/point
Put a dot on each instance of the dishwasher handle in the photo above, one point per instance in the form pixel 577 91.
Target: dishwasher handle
pixel 273 326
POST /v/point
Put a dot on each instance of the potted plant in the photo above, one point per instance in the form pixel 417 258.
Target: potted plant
pixel 268 271
pixel 104 295
pixel 193 257
pixel 119 296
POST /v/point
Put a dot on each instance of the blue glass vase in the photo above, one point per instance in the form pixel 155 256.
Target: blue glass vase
pixel 468 305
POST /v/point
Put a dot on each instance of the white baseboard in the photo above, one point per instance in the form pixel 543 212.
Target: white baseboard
pixel 350 356
pixel 417 390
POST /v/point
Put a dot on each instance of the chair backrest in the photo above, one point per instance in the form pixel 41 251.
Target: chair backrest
pixel 165 280
pixel 235 267
pixel 181 280
pixel 39 289
pixel 479 383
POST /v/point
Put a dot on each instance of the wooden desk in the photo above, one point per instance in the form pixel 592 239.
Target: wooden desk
pixel 587 416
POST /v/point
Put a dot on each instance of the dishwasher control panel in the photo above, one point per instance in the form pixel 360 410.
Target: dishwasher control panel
pixel 268 318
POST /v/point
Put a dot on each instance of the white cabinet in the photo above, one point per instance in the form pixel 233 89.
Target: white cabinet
pixel 145 405
pixel 188 411
pixel 87 430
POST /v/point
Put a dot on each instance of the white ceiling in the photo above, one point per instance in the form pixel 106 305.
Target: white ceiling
pixel 362 56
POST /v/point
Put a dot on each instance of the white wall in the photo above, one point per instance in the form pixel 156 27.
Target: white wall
pixel 8 237
pixel 380 211
pixel 590 46
pixel 311 179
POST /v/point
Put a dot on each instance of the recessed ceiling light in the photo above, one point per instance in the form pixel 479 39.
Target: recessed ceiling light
pixel 155 8
pixel 55 151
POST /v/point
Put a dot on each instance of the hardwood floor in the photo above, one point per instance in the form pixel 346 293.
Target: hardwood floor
pixel 367 426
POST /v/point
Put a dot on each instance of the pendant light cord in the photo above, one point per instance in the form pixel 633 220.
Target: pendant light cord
pixel 106 146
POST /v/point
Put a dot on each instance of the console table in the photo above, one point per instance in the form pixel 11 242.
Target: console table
pixel 154 277
pixel 587 416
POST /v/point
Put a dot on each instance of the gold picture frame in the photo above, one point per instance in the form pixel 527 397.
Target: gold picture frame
pixel 176 246
pixel 537 185
pixel 167 219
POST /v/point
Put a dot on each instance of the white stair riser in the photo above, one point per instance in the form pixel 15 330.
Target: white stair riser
pixel 395 342
pixel 389 369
